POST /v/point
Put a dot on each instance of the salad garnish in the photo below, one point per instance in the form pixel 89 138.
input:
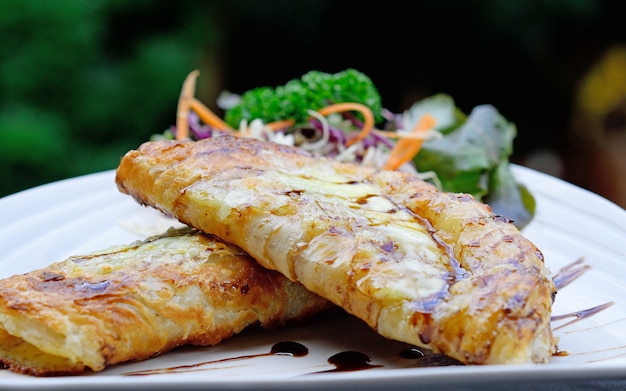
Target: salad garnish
pixel 341 116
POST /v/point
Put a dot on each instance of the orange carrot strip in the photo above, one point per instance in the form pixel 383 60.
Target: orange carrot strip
pixel 277 125
pixel 207 115
pixel 406 148
pixel 396 135
pixel 368 117
pixel 182 111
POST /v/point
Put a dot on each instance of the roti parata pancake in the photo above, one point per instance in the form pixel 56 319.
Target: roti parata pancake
pixel 136 301
pixel 434 269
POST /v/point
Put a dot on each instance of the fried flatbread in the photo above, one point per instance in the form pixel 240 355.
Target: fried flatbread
pixel 136 301
pixel 421 266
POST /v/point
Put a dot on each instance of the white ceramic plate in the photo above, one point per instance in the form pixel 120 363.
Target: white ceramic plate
pixel 51 222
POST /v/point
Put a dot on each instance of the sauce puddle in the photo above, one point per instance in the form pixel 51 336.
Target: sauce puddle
pixel 429 359
pixel 349 361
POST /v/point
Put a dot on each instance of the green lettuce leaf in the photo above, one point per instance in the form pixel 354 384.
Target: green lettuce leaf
pixel 473 156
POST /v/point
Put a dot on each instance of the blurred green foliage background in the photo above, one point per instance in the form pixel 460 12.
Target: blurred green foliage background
pixel 83 81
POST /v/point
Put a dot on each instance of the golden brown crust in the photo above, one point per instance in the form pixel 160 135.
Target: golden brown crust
pixel 133 302
pixel 503 265
pixel 434 269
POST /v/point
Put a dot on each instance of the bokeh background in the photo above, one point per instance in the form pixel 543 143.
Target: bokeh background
pixel 83 81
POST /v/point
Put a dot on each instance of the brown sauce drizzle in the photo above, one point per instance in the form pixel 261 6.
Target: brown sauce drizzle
pixel 563 278
pixel 580 315
pixel 457 272
pixel 570 273
pixel 285 348
pixel 348 361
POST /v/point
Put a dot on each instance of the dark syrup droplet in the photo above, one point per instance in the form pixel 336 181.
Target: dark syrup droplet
pixel 289 348
pixel 350 361
pixel 411 353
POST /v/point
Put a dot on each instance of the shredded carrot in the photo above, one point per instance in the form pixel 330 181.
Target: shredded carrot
pixel 406 148
pixel 207 115
pixel 396 135
pixel 368 117
pixel 278 125
pixel 182 111
pixel 187 102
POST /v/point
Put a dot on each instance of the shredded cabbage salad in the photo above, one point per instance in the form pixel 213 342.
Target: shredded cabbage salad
pixel 341 116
